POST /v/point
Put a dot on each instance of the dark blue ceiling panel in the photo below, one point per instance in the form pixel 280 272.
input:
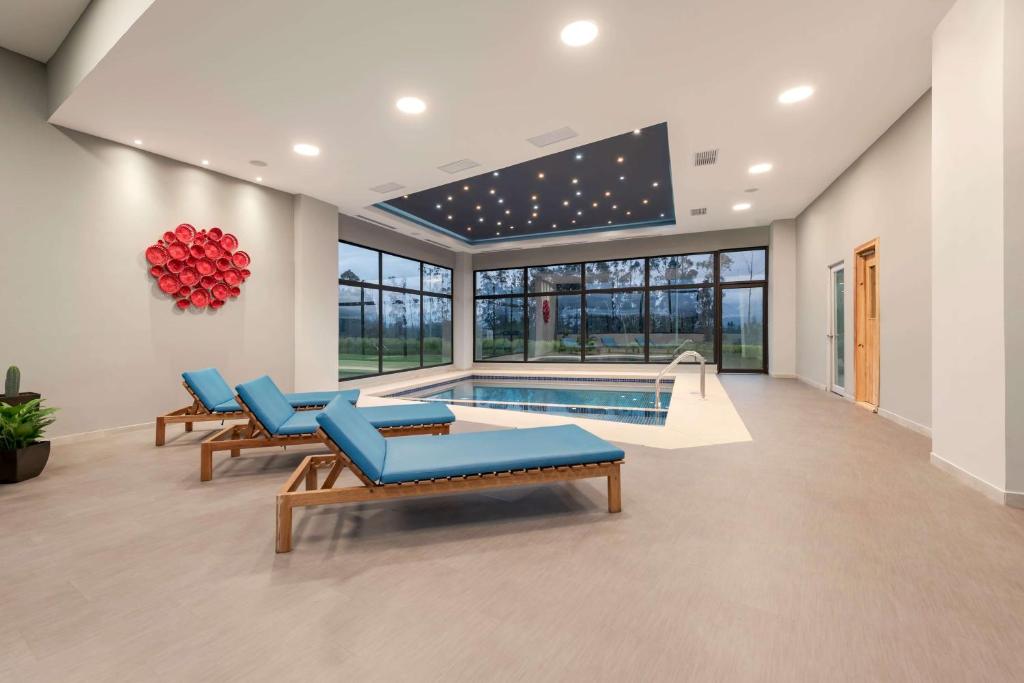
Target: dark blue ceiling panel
pixel 620 182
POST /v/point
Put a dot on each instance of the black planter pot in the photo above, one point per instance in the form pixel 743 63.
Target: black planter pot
pixel 23 397
pixel 24 463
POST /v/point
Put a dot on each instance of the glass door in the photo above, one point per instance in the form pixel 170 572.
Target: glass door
pixel 742 324
pixel 836 329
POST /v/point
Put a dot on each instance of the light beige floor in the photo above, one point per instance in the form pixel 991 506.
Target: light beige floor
pixel 827 548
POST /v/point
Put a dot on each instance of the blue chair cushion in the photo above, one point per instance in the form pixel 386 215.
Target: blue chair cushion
pixel 408 415
pixel 354 435
pixel 318 399
pixel 427 457
pixel 211 389
pixel 301 422
pixel 267 402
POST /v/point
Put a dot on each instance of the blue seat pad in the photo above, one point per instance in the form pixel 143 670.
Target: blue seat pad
pixel 427 457
pixel 408 415
pixel 304 421
pixel 302 399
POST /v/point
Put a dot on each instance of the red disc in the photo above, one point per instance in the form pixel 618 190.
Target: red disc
pixel 185 232
pixel 229 241
pixel 156 271
pixel 156 255
pixel 212 250
pixel 206 282
pixel 199 298
pixel 177 250
pixel 215 234
pixel 223 264
pixel 220 291
pixel 196 251
pixel 168 284
pixel 240 259
pixel 188 276
pixel 232 276
pixel 181 303
pixel 169 237
pixel 246 273
pixel 216 303
pixel 184 291
pixel 200 238
pixel 175 266
pixel 235 291
pixel 205 266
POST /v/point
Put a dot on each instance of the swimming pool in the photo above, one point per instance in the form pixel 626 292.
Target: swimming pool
pixel 613 399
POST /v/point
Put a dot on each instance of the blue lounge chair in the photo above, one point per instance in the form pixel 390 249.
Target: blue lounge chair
pixel 273 421
pixel 213 401
pixel 570 344
pixel 423 466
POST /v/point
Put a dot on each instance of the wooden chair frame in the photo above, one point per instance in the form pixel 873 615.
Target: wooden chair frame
pixel 189 415
pixel 253 434
pixel 290 497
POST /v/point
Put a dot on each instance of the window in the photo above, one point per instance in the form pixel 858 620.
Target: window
pixel 632 310
pixel 394 313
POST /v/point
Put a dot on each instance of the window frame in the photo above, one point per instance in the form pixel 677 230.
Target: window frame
pixel 381 288
pixel 716 287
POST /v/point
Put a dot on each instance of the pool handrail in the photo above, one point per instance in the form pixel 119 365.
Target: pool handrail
pixel 675 361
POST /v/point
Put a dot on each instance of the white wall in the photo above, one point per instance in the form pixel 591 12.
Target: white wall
pixel 316 294
pixel 884 194
pixel 80 314
pixel 782 299
pixel 968 362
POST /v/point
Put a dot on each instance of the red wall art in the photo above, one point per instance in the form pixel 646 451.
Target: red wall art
pixel 200 268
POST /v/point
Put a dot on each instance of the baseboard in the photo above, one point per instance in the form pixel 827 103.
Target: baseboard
pixel 810 382
pixel 782 375
pixel 906 422
pixel 1013 499
pixel 102 433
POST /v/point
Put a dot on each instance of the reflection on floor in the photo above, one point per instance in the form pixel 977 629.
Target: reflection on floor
pixel 825 548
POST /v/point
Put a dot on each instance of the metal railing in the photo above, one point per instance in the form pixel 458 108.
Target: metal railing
pixel 675 362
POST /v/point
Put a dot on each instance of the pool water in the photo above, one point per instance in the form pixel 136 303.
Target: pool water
pixel 631 402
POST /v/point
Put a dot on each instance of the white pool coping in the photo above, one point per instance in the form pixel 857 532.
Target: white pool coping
pixel 691 421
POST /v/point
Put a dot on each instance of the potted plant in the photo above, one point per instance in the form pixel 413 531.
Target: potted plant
pixel 12 395
pixel 23 454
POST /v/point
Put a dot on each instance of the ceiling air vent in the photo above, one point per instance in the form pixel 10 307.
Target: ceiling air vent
pixel 458 166
pixel 702 211
pixel 387 187
pixel 376 222
pixel 551 137
pixel 705 158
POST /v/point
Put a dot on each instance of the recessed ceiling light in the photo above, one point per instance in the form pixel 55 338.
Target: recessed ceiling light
pixel 495 173
pixel 579 33
pixel 579 155
pixel 758 169
pixel 621 159
pixel 138 143
pixel 466 188
pixel 411 105
pixel 797 94
pixel 541 175
pixel 654 184
pixel 206 162
pixel 259 179
pixel 742 206
pixel 636 131
pixel 306 149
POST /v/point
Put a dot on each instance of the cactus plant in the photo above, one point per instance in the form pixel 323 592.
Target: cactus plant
pixel 13 384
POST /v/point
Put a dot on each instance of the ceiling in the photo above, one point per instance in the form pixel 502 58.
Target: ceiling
pixel 234 82
pixel 36 28
pixel 621 182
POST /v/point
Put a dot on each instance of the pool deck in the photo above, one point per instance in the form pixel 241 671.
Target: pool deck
pixel 691 421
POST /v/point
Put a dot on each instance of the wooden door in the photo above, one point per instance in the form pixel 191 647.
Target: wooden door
pixel 866 325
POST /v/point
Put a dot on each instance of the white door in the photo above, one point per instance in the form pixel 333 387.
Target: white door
pixel 836 329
